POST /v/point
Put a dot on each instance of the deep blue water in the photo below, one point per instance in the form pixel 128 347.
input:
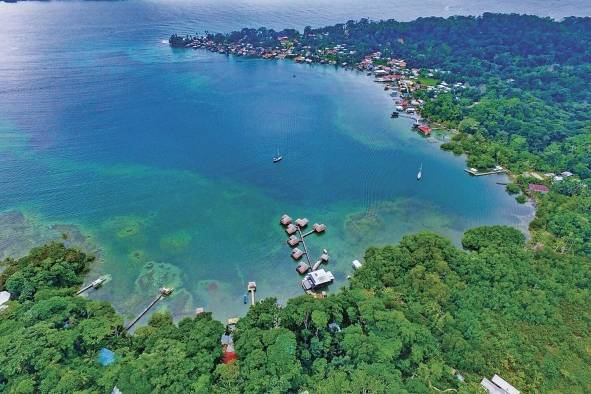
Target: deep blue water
pixel 160 159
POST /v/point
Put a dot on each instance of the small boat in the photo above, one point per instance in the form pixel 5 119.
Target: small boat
pixel 277 158
pixel 245 299
pixel 394 114
pixel 420 174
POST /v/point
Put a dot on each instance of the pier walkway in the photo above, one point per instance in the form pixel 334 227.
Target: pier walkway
pixel 496 170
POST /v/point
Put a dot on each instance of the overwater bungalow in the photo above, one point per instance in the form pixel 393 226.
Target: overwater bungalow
pixel 291 229
pixel 297 253
pixel 301 223
pixel 285 220
pixel 293 240
pixel 302 268
pixel 319 228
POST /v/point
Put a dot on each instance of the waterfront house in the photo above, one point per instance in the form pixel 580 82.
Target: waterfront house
pixel 302 222
pixel 285 220
pixel 319 228
pixel 498 385
pixel 302 268
pixel 534 187
pixel 317 279
pixel 4 298
pixel 356 264
pixel 297 253
pixel 424 130
pixel 293 240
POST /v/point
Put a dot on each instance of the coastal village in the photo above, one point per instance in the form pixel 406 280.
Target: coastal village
pixel 401 81
pixel 393 73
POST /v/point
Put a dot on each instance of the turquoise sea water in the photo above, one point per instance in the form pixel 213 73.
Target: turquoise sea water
pixel 159 160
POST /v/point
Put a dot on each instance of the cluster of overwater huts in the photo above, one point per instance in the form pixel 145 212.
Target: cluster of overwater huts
pixel 315 277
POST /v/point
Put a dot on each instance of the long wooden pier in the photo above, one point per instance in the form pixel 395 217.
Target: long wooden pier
pixel 95 285
pixel 475 172
pixel 304 244
pixel 164 292
pixel 251 288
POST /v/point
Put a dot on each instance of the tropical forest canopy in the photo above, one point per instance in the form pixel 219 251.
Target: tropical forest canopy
pixel 419 316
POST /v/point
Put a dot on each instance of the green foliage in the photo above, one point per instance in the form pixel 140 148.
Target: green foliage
pixel 492 236
pixel 52 266
pixel 513 188
pixel 412 314
pixel 50 338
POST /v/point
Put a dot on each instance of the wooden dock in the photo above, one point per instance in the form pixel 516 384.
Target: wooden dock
pixel 304 245
pixel 296 236
pixel 475 172
pixel 164 292
pixel 251 288
pixel 94 285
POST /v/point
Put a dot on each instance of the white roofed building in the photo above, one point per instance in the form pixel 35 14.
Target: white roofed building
pixel 317 278
pixel 498 385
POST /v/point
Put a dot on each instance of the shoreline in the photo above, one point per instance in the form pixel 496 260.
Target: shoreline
pixel 394 76
pixel 387 94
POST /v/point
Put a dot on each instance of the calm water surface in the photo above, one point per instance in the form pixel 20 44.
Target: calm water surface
pixel 160 159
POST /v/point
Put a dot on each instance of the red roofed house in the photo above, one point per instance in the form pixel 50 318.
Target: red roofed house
pixel 228 354
pixel 534 187
pixel 425 130
pixel 229 357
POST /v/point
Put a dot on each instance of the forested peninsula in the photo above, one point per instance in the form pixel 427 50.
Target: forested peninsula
pixel 422 316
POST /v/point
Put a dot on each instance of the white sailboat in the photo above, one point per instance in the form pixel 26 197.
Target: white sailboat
pixel 277 157
pixel 420 174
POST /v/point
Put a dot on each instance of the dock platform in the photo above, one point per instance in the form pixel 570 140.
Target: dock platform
pixel 163 292
pixel 495 171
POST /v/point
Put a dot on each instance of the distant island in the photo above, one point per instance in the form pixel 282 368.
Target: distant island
pixel 502 312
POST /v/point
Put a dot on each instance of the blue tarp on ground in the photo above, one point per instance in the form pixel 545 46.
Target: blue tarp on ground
pixel 106 357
